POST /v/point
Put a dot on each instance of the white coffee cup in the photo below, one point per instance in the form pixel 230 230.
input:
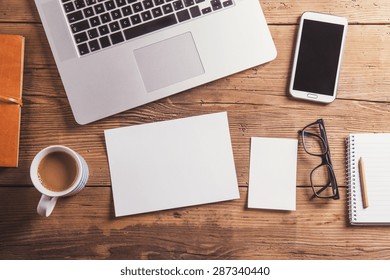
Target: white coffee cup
pixel 49 197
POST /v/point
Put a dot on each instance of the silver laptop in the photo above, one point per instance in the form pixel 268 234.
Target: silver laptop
pixel 114 55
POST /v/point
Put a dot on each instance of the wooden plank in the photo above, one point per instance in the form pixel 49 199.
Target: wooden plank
pixel 48 121
pixel 276 11
pixel 84 227
pixel 364 74
pixel 18 11
pixel 356 11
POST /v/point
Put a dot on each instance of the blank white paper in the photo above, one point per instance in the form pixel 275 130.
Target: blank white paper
pixel 272 175
pixel 171 164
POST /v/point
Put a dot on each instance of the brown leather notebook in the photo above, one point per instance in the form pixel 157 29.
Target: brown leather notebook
pixel 11 81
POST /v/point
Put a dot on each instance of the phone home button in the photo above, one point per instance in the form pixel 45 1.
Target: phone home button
pixel 312 96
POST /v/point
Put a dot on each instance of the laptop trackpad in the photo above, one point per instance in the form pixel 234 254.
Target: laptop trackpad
pixel 168 62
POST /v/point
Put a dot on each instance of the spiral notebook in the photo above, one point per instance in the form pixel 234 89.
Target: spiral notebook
pixel 374 149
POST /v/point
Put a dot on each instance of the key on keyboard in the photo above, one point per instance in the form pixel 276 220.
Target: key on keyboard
pixel 99 24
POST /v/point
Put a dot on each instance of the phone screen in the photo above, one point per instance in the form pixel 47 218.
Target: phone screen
pixel 318 57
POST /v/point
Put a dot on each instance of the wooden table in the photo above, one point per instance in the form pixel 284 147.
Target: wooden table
pixel 84 226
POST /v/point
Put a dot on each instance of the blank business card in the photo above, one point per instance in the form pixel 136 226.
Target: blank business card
pixel 272 175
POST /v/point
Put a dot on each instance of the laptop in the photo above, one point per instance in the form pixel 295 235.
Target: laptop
pixel 114 55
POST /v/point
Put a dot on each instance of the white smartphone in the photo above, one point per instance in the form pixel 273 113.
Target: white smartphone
pixel 317 60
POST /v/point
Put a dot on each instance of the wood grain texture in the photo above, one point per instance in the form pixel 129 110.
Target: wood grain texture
pixel 270 116
pixel 364 73
pixel 84 227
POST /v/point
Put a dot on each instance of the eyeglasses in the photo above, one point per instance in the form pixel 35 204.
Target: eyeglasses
pixel 322 178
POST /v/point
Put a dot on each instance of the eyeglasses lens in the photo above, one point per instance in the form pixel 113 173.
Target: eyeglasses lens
pixel 312 141
pixel 321 179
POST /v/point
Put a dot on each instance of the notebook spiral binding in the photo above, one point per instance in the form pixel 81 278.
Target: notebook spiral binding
pixel 351 172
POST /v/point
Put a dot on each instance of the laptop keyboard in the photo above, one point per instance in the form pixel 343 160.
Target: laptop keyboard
pixel 100 24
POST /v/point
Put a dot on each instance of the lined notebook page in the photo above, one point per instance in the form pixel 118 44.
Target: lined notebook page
pixel 375 151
